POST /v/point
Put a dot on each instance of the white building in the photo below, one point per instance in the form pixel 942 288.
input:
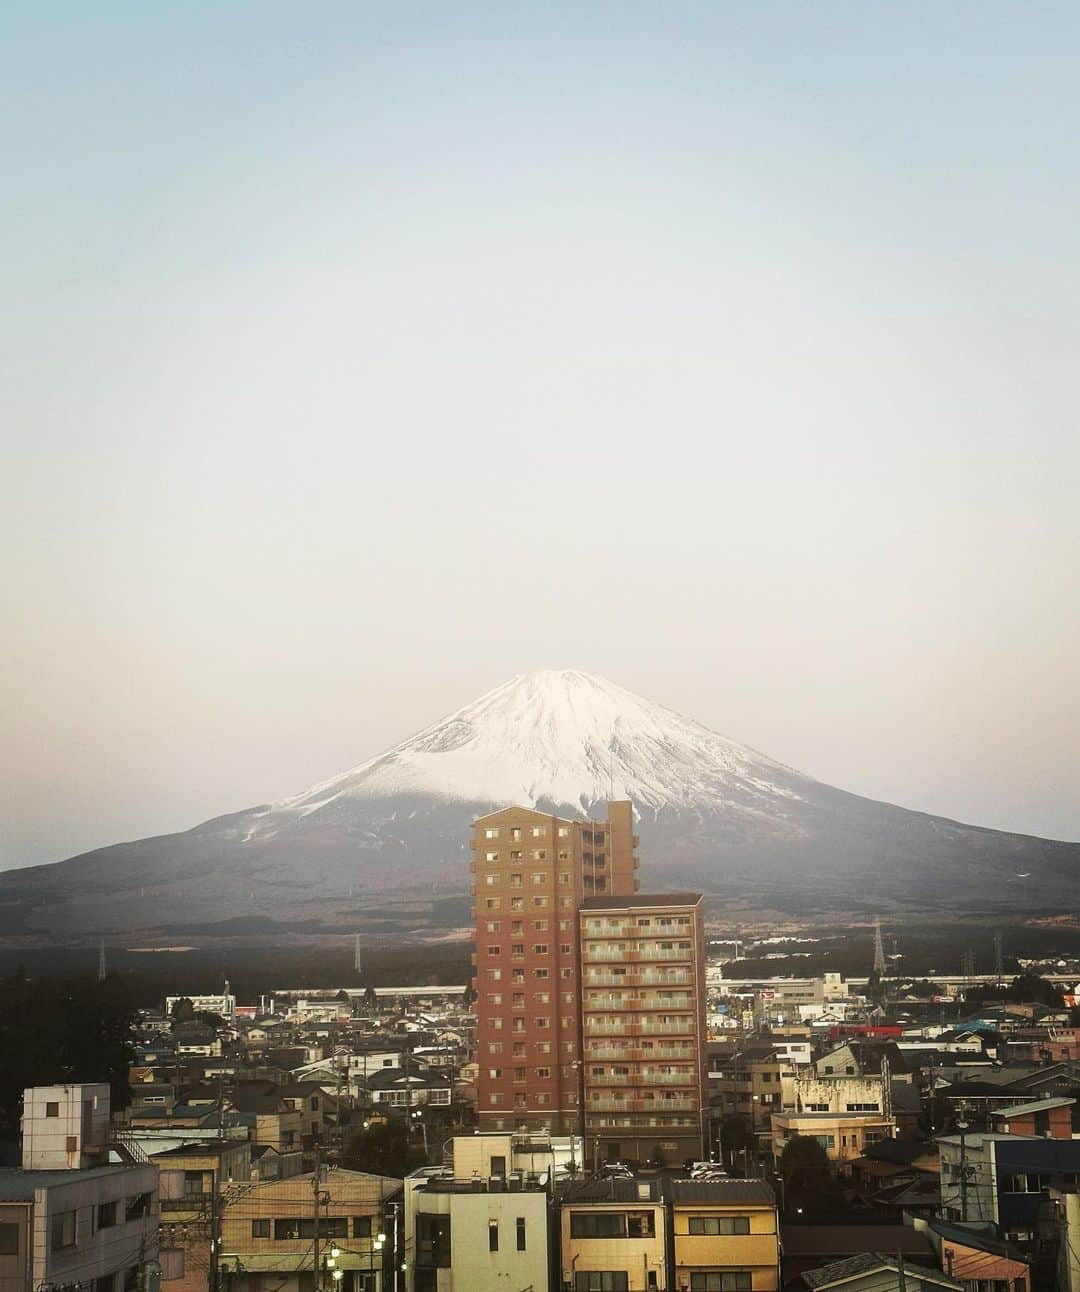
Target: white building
pixel 482 1224
pixel 224 1005
pixel 68 1219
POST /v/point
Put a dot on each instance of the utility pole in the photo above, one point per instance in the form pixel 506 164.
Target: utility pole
pixel 962 1126
pixel 999 967
pixel 316 1179
pixel 900 1273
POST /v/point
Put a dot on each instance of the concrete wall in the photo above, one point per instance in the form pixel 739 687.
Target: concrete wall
pixel 97 1252
pixel 75 1136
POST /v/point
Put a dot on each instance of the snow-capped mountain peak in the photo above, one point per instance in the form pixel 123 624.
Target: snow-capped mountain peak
pixel 561 737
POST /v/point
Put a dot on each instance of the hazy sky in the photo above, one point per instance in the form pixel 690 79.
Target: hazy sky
pixel 356 357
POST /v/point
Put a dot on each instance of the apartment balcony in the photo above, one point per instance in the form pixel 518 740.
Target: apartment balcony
pixel 633 1026
pixel 637 1004
pixel 638 978
pixel 655 1107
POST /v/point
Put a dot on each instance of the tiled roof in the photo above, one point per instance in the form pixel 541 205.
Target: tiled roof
pixel 623 1191
pixel 866 1263
pixel 723 1192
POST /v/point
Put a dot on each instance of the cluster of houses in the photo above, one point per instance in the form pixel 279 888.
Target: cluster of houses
pixel 948 1151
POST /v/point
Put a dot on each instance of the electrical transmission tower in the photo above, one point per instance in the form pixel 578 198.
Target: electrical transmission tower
pixel 967 964
pixel 356 964
pixel 880 966
pixel 101 961
pixel 999 966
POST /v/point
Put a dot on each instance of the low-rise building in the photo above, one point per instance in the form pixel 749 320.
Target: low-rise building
pixel 268 1233
pixel 843 1136
pixel 725 1236
pixel 464 1230
pixel 67 1217
pixel 613 1237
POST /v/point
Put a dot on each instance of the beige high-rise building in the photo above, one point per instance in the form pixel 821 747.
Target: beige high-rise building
pixel 643 1026
pixel 531 873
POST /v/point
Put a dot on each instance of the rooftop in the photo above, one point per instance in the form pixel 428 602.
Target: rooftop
pixel 613 1190
pixel 1037 1106
pixel 203 1148
pixel 723 1192
pixel 639 899
pixel 18 1185
pixel 866 1263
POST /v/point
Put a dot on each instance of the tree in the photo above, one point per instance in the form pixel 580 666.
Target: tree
pixel 810 1188
pixel 1030 988
pixel 62 1030
pixel 183 1011
pixel 736 1133
pixel 383 1148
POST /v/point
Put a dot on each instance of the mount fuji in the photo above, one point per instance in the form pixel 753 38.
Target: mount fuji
pixel 388 840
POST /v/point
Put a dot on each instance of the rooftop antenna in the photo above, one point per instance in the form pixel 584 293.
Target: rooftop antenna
pixel 101 961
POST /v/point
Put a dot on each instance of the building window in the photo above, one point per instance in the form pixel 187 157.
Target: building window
pixel 493 926
pixel 9 1239
pixel 493 1235
pixel 601 1281
pixel 612 1224
pixel 63 1230
pixel 106 1215
pixel 719 1224
pixel 495 1047
pixel 540 948
pixel 491 856
pixel 361 1226
pixel 260 1229
pixel 543 1074
pixel 519 1224
pixel 714 1281
pixel 515 833
pixel 433 1241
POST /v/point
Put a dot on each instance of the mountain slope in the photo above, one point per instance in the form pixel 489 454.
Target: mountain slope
pixel 712 813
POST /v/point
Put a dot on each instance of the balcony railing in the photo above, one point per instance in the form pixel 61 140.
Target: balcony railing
pixel 656 1107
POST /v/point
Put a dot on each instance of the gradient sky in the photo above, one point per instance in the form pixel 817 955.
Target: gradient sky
pixel 356 357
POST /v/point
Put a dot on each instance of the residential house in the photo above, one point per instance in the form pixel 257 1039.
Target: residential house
pixel 268 1233
pixel 725 1236
pixel 877 1272
pixel 193 1179
pixel 613 1236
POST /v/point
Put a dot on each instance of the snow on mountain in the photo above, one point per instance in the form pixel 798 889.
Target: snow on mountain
pixel 559 737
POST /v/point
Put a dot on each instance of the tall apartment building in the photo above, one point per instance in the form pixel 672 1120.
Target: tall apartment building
pixel 644 1077
pixel 531 873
